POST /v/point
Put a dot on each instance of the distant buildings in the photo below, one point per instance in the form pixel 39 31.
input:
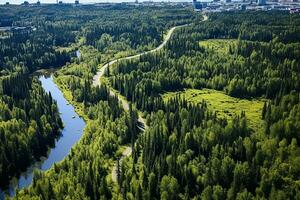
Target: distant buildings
pixel 7 3
pixel 76 2
pixel 253 5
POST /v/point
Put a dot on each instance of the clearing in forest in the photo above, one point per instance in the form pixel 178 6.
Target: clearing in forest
pixel 224 105
pixel 218 45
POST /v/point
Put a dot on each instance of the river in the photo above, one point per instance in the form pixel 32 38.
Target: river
pixel 70 134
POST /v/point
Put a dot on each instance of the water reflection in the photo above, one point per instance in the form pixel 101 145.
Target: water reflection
pixel 71 133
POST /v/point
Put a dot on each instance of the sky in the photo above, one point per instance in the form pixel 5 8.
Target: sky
pixel 81 1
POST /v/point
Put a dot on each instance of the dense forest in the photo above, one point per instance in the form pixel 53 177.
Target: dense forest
pixel 83 174
pixel 187 152
pixel 29 123
pixel 213 158
pixel 48 36
pixel 247 68
pixel 111 30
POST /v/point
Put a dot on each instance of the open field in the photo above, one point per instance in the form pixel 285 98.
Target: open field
pixel 218 45
pixel 224 105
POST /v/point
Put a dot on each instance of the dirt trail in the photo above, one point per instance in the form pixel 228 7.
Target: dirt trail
pixel 96 82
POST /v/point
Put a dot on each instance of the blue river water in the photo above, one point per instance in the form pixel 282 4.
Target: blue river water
pixel 70 134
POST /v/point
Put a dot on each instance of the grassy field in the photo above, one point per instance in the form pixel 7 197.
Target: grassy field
pixel 224 105
pixel 73 46
pixel 79 107
pixel 218 45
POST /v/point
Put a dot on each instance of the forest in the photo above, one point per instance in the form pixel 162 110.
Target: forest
pixel 216 158
pixel 31 120
pixel 29 123
pixel 187 151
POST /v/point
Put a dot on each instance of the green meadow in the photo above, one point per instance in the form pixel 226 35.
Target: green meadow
pixel 218 45
pixel 224 105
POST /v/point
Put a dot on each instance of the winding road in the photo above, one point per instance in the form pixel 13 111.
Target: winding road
pixel 125 104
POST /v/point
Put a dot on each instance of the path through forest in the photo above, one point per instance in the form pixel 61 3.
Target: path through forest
pixel 96 82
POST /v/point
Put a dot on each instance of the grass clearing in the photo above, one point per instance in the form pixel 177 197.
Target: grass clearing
pixel 79 107
pixel 224 105
pixel 218 45
pixel 73 46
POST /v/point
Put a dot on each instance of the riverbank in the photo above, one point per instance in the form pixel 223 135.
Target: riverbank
pixel 70 134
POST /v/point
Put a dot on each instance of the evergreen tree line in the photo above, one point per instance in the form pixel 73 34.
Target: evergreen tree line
pixel 216 158
pixel 139 29
pixel 27 51
pixel 29 123
pixel 187 152
pixel 85 172
pixel 250 25
pixel 244 69
pixel 51 35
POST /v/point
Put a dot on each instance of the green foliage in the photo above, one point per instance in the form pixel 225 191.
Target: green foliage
pixel 169 188
pixel 210 157
pixel 188 152
pixel 29 123
pixel 49 39
pixel 83 174
pixel 225 106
